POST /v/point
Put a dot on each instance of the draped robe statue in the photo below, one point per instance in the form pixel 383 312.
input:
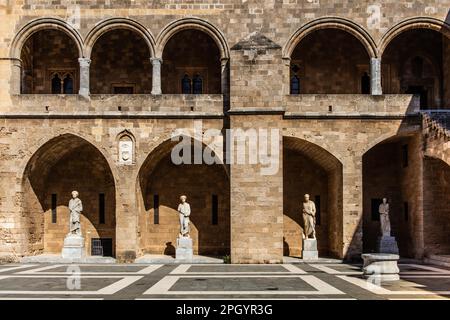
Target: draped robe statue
pixel 75 207
pixel 383 209
pixel 184 210
pixel 309 218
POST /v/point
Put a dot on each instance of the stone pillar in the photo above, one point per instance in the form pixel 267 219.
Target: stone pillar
pixel 156 75
pixel 352 203
pixel 224 74
pixel 375 76
pixel 16 76
pixel 84 76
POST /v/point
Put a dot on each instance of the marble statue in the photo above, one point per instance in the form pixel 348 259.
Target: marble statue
pixel 384 218
pixel 309 218
pixel 75 207
pixel 184 210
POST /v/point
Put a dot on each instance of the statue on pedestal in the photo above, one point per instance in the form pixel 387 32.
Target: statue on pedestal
pixel 309 218
pixel 384 218
pixel 75 207
pixel 184 210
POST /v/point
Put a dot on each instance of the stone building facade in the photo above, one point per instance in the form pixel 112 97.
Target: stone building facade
pixel 91 93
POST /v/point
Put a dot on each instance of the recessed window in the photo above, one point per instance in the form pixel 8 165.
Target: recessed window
pixel 215 209
pixel 54 206
pixel 375 206
pixel 122 89
pixel 295 85
pixel 365 83
pixel 155 209
pixel 101 208
pixel 56 84
pixel 68 84
pixel 186 85
pixel 406 211
pixel 318 213
pixel 197 85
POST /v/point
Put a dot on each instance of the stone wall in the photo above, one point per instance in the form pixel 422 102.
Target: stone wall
pixel 120 58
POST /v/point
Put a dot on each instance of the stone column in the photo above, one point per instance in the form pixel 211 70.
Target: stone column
pixel 84 76
pixel 156 75
pixel 16 76
pixel 375 76
pixel 224 75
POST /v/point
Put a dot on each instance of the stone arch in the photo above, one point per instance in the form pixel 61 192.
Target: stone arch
pixel 192 23
pixel 55 168
pixel 44 24
pixel 410 24
pixel 159 177
pixel 330 23
pixel 309 168
pixel 118 23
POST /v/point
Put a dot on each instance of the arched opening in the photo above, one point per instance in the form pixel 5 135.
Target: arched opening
pixel 307 168
pixel 120 64
pixel 415 62
pixel 436 207
pixel 392 170
pixel 61 165
pixel 161 183
pixel 328 61
pixel 49 63
pixel 191 64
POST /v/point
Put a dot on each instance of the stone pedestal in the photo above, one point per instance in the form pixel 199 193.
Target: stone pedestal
pixel 387 244
pixel 309 249
pixel 184 251
pixel 381 266
pixel 73 247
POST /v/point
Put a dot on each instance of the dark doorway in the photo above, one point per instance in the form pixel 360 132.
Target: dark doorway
pixel 101 247
pixel 420 90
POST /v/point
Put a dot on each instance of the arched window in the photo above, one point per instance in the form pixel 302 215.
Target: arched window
pixel 365 83
pixel 186 85
pixel 295 85
pixel 56 84
pixel 68 84
pixel 197 85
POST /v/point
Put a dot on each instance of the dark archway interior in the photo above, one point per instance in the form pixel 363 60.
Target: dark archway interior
pixel 329 61
pixel 49 63
pixel 307 168
pixel 158 219
pixel 64 164
pixel 191 64
pixel 120 64
pixel 414 62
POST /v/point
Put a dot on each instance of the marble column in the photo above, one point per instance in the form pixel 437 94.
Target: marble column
pixel 84 76
pixel 375 76
pixel 156 75
pixel 224 76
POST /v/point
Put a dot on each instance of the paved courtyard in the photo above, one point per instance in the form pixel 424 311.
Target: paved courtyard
pixel 208 281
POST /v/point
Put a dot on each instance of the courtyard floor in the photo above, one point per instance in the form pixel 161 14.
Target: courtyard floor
pixel 217 281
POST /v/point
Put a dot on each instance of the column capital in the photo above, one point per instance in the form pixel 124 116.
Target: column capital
pixel 156 60
pixel 84 62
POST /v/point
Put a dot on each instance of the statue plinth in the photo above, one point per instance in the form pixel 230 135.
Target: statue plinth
pixel 309 249
pixel 387 244
pixel 184 251
pixel 73 247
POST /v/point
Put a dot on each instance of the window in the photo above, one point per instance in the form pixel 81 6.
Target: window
pixel 295 85
pixel 406 211
pixel 123 89
pixel 155 209
pixel 186 85
pixel 101 208
pixel 68 85
pixel 318 216
pixel 365 83
pixel 215 209
pixel 54 205
pixel 375 205
pixel 56 84
pixel 405 155
pixel 197 85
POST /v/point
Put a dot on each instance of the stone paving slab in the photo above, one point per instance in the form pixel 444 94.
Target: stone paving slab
pixel 219 281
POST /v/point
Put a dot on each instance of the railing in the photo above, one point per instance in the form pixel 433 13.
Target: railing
pixel 116 104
